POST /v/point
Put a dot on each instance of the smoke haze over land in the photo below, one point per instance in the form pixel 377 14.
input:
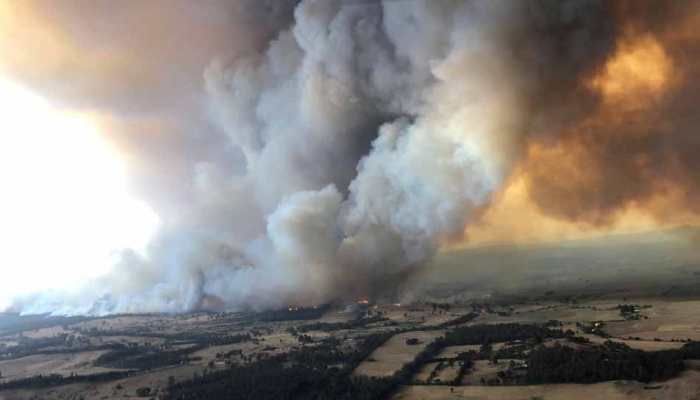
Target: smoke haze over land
pixel 304 152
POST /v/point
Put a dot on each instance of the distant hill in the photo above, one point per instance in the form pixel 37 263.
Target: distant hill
pixel 13 322
pixel 685 234
pixel 649 261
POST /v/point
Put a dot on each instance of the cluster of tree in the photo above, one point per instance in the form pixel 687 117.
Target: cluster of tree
pixel 336 326
pixel 59 344
pixel 481 334
pixel 293 314
pixel 593 328
pixel 518 351
pixel 365 348
pixel 612 361
pixel 434 373
pixel 481 307
pixel 440 306
pixel 232 316
pixel 405 375
pixel 27 346
pixel 627 309
pixel 261 330
pixel 466 362
pixel 513 374
pixel 631 311
pixel 690 350
pixel 11 323
pixel 477 334
pixel 271 379
pixel 306 373
pixel 119 352
pixel 212 339
pixel 44 381
pixel 304 339
pixel 459 320
pixel 323 354
pixel 144 357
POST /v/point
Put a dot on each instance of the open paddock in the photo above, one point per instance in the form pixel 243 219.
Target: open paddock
pixel 685 387
pixel 393 354
pixel 79 363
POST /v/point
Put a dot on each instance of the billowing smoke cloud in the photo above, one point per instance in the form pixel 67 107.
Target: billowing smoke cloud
pixel 344 141
pixel 614 149
pixel 137 68
pixel 635 144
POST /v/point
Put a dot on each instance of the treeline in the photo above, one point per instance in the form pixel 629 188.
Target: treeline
pixel 144 358
pixel 213 339
pixel 690 350
pixel 128 357
pixel 466 361
pixel 362 322
pixel 405 374
pixel 484 334
pixel 61 344
pixel 293 314
pixel 336 326
pixel 11 323
pixel 459 320
pixel 27 346
pixel 561 364
pixel 271 379
pixel 477 334
pixel 44 381
pixel 209 339
pixel 328 352
pixel 307 373
pixel 366 347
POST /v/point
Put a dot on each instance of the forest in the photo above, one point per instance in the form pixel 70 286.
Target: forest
pixel 307 373
pixel 611 361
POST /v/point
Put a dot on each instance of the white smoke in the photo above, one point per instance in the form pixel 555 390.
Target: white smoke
pixel 370 132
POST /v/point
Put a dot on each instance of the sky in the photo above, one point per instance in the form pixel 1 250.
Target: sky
pixel 172 155
pixel 65 198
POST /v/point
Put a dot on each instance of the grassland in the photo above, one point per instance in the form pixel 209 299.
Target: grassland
pixel 577 288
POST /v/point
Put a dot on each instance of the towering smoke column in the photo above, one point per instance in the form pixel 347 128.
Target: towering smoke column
pixel 372 132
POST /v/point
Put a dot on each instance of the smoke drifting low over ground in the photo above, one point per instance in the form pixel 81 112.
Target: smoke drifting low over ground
pixel 343 142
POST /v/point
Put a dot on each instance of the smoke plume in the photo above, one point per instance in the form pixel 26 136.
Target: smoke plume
pixel 336 145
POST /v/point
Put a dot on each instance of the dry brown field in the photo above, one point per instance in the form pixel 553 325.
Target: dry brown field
pixel 391 356
pixel 685 387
